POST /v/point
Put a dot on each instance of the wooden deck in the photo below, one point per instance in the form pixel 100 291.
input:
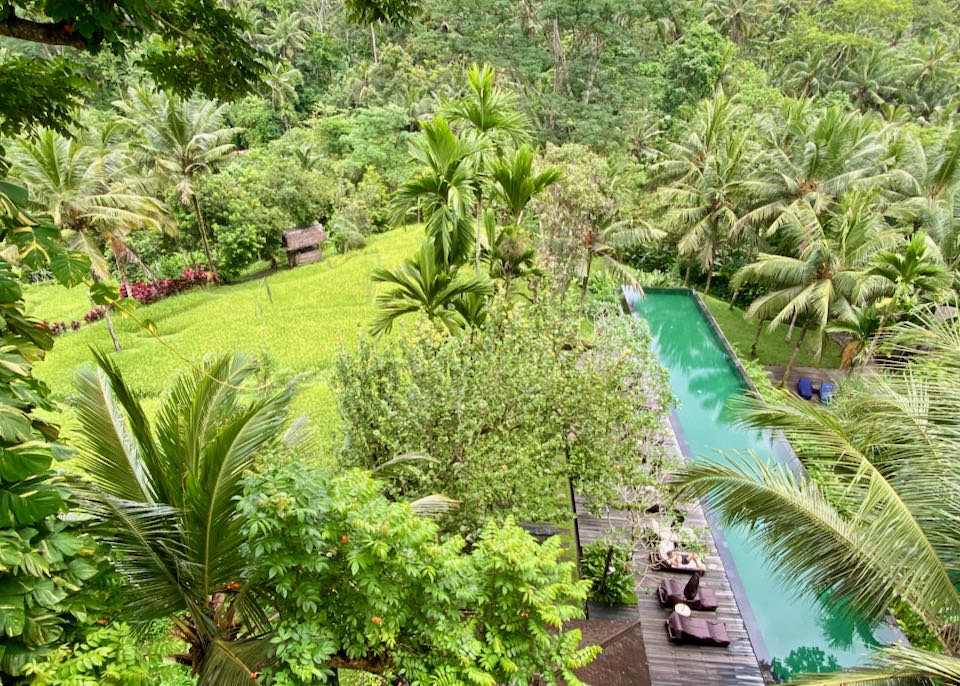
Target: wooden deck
pixel 680 665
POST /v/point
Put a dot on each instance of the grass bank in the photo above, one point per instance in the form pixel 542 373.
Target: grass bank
pixel 295 320
pixel 772 348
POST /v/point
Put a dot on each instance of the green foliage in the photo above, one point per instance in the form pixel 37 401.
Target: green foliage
pixel 608 568
pixel 258 121
pixel 252 201
pixel 44 559
pixel 692 66
pixel 364 582
pixel 187 47
pixel 113 656
pixel 296 318
pixel 509 412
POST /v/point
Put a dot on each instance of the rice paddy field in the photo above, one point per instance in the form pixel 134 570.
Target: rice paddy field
pixel 295 320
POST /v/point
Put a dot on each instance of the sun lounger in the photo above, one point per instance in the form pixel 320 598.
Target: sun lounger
pixel 673 591
pixel 690 562
pixel 805 388
pixel 704 632
pixel 826 392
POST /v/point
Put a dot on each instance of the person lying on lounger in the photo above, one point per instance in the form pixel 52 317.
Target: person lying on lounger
pixel 676 558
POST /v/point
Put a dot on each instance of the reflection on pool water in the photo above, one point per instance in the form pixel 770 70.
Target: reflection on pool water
pixel 792 634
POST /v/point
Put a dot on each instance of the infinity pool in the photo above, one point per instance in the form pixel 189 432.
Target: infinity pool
pixel 790 634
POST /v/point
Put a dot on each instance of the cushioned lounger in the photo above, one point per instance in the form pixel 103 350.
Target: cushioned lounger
pixel 689 564
pixel 826 392
pixel 805 388
pixel 704 632
pixel 671 593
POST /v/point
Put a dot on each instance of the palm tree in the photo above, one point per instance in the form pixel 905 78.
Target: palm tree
pixel 817 281
pixel 287 35
pixel 606 243
pixel 163 495
pixel 862 325
pixel 701 209
pixel 923 184
pixel 879 525
pixel 932 74
pixel 424 284
pixel 707 127
pixel 811 160
pixel 873 80
pixel 181 140
pixel 283 79
pixel 515 184
pixel 808 76
pixel 738 20
pixel 490 115
pixel 444 192
pixel 88 186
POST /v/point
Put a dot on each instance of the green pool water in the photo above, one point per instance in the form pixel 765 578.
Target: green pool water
pixel 792 633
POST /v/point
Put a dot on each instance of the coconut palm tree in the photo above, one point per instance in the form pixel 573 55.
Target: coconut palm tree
pixel 701 210
pixel 861 327
pixel 445 190
pixel 181 140
pixel 879 524
pixel 812 160
pixel 89 187
pixel 282 79
pixel 287 35
pixel 489 114
pixel 816 282
pixel 808 76
pixel 738 20
pixel 922 188
pixel 872 80
pixel 424 284
pixel 707 127
pixel 163 497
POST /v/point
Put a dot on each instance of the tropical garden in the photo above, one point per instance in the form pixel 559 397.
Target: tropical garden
pixel 216 470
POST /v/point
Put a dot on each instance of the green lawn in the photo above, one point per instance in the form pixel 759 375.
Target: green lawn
pixel 772 349
pixel 296 319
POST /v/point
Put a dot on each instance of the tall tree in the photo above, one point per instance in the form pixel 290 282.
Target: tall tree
pixel 811 159
pixel 816 281
pixel 488 113
pixel 95 196
pixel 181 140
pixel 444 191
pixel 701 210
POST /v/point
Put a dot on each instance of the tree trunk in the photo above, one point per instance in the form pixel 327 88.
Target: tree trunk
pixel 373 42
pixel 686 277
pixel 203 232
pixel 479 228
pixel 113 333
pixel 793 323
pixel 584 284
pixel 756 338
pixel 793 357
pixel 606 571
pixel 733 298
pixel 709 280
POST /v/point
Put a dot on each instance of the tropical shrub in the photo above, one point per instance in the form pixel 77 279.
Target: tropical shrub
pixel 508 413
pixel 607 565
pixel 114 655
pixel 362 582
pixel 272 570
pixel 45 559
